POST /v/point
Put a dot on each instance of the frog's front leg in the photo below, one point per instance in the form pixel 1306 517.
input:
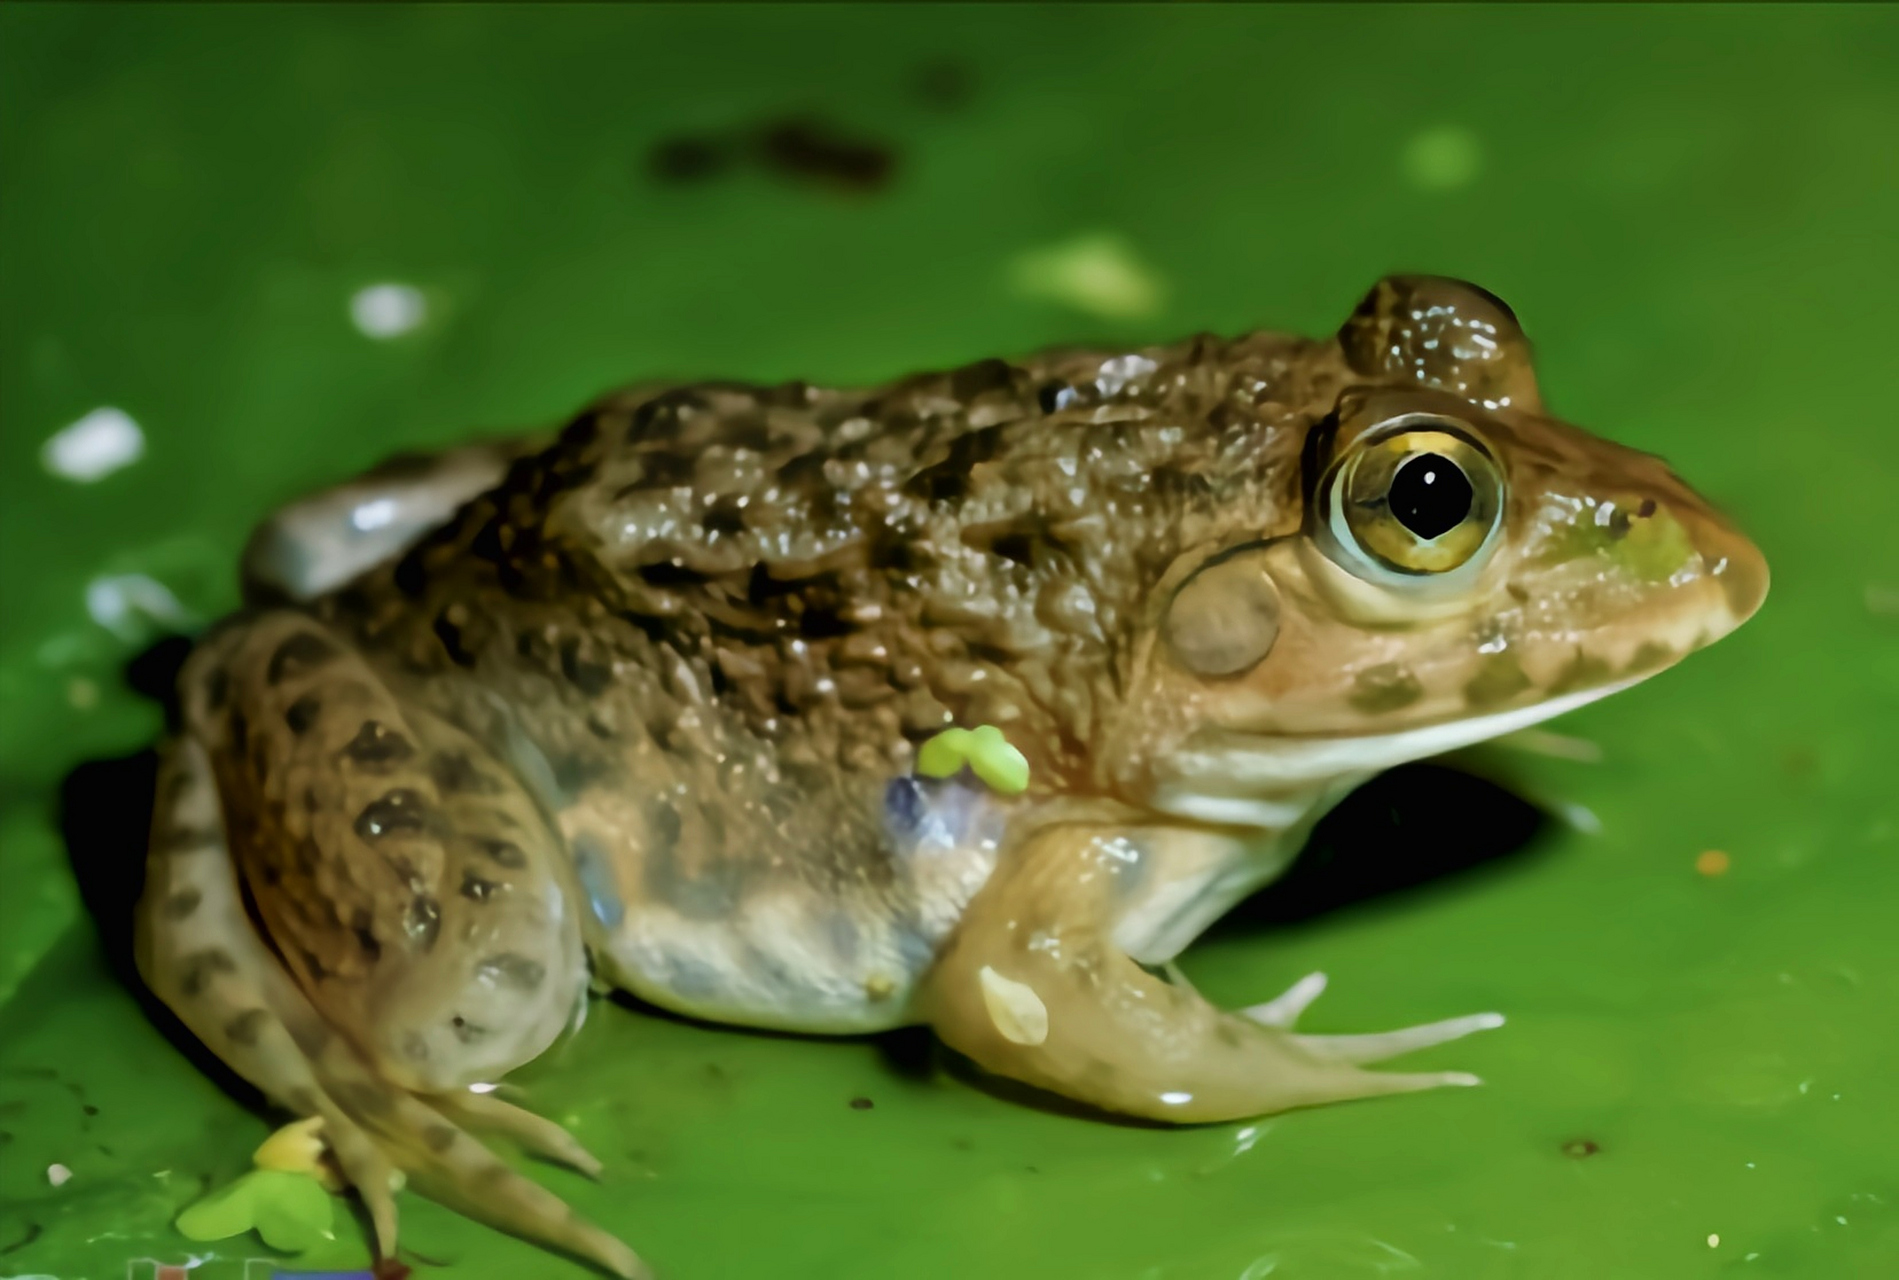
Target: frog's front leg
pixel 361 912
pixel 1033 986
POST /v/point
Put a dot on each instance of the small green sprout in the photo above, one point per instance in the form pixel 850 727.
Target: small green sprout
pixel 984 750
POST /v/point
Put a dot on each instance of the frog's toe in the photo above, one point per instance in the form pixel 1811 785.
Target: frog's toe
pixel 1283 1010
pixel 1282 1013
pixel 1380 1045
pixel 452 1167
pixel 536 1135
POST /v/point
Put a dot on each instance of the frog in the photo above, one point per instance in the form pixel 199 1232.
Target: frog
pixel 637 704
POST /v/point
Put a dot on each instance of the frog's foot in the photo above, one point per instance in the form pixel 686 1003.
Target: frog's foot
pixel 362 913
pixel 1032 986
pixel 1283 1013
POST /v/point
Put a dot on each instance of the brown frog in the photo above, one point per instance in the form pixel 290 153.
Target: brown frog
pixel 643 704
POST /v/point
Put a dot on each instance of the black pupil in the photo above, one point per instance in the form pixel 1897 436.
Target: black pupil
pixel 1430 495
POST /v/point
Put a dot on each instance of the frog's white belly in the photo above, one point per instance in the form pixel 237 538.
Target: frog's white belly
pixel 785 960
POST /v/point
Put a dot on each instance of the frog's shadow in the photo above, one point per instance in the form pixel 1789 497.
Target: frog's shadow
pixel 1404 833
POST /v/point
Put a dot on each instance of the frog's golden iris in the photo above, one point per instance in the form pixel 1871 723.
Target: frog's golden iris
pixel 1423 497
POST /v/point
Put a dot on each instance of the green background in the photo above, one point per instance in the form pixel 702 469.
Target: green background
pixel 1692 209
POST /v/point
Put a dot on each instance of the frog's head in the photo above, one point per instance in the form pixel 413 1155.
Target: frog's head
pixel 1460 565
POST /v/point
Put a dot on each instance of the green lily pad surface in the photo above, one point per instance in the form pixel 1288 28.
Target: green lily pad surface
pixel 258 248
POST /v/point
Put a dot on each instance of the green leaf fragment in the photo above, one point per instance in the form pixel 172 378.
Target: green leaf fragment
pixel 291 1211
pixel 944 755
pixel 224 1213
pixel 998 764
pixel 294 1212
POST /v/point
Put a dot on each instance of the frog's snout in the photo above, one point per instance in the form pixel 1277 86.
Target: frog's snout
pixel 1732 561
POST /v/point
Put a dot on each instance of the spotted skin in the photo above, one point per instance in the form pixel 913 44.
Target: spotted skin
pixel 640 703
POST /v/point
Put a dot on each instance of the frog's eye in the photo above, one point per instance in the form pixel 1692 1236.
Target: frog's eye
pixel 1422 499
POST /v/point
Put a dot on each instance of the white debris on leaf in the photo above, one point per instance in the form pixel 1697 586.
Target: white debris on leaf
pixel 58 1174
pixel 387 310
pixel 94 447
pixel 1017 1011
pixel 129 604
pixel 1097 274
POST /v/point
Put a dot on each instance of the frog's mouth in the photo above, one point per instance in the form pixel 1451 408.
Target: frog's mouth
pixel 1261 780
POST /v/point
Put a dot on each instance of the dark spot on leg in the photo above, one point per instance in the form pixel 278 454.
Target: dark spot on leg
pixel 506 853
pixel 512 970
pixel 364 1099
pixel 217 688
pixel 372 949
pixel 201 966
pixel 439 1137
pixel 300 652
pixel 377 744
pixel 184 839
pixel 302 713
pixel 476 889
pixel 399 811
pixel 423 920
pixel 182 904
pixel 591 678
pixel 303 1101
pixel 574 773
pixel 315 1040
pixel 307 855
pixel 455 773
pixel 246 1026
pixel 240 730
pixel 465 1031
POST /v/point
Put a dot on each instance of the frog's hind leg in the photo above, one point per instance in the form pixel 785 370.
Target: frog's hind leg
pixel 1032 986
pixel 362 913
pixel 198 953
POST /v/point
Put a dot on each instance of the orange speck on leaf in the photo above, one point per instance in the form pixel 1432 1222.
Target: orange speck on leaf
pixel 1713 862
